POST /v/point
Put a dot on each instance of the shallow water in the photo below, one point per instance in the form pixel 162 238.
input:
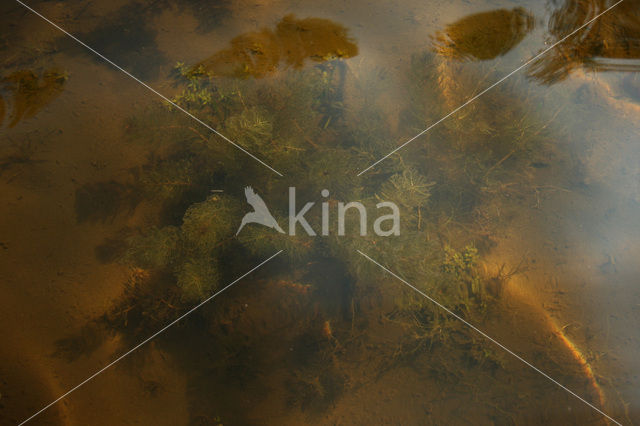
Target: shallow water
pixel 519 213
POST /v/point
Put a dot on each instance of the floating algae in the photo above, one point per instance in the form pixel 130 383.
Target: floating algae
pixel 30 92
pixel 485 35
pixel 258 54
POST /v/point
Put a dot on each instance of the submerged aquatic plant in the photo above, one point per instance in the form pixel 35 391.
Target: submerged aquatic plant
pixel 298 122
pixel 408 189
pixel 190 251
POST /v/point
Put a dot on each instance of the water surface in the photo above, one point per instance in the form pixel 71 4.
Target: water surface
pixel 519 213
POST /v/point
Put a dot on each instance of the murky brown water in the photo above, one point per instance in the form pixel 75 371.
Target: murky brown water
pixel 519 213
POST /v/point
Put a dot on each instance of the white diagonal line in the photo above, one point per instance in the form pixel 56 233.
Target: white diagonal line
pixel 477 330
pixel 151 88
pixel 147 340
pixel 489 88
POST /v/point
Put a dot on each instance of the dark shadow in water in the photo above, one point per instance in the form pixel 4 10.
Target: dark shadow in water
pixel 126 38
pixel 219 348
pixel 259 54
pixel 486 35
pixel 84 343
pixel 28 92
pixel 316 396
pixel 23 153
pixel 103 201
pixel 209 13
pixel 113 248
pixel 612 43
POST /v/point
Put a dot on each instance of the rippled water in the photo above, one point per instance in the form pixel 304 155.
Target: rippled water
pixel 511 293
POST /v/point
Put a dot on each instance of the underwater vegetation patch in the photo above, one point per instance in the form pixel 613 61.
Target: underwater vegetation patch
pixel 301 121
